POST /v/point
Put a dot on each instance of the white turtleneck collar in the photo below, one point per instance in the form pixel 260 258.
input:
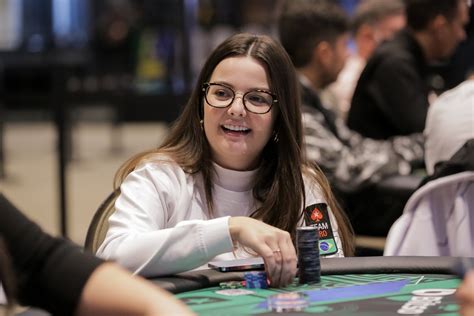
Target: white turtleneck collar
pixel 232 180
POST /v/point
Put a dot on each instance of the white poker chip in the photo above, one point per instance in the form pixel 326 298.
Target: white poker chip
pixel 235 292
pixel 287 302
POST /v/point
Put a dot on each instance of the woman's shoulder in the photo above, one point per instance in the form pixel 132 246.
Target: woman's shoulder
pixel 157 161
pixel 162 174
pixel 161 165
pixel 313 187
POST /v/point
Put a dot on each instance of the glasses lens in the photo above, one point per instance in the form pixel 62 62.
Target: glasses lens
pixel 219 96
pixel 258 101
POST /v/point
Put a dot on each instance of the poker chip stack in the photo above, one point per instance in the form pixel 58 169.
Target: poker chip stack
pixel 287 302
pixel 307 242
pixel 230 285
pixel 256 280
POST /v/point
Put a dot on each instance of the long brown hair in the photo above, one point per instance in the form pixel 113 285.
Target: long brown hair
pixel 279 182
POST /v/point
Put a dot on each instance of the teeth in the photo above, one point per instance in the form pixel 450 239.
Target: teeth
pixel 236 128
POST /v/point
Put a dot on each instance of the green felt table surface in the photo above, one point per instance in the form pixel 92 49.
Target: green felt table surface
pixel 354 294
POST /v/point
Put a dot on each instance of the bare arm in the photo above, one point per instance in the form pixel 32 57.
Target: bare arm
pixel 112 291
pixel 465 294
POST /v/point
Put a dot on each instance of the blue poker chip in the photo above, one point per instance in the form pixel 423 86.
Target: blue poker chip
pixel 307 234
pixel 256 280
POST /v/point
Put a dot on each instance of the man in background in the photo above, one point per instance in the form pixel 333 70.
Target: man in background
pixel 315 35
pixel 373 22
pixel 391 96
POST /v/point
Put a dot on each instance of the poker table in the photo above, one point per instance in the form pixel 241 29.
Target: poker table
pixel 356 286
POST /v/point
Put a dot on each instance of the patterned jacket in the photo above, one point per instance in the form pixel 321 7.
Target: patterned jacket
pixel 349 160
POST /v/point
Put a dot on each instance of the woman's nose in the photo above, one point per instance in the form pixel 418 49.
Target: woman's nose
pixel 237 106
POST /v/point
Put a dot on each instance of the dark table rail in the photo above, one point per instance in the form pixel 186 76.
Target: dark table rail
pixel 194 280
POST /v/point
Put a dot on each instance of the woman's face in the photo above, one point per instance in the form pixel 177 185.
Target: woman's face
pixel 236 136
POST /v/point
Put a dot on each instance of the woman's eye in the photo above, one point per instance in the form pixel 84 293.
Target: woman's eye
pixel 222 93
pixel 258 99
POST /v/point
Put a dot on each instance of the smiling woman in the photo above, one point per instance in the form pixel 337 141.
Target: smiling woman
pixel 237 135
pixel 231 179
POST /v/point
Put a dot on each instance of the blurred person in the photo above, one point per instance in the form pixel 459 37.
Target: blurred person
pixel 39 270
pixel 373 22
pixel 230 176
pixel 440 210
pixel 391 96
pixel 449 124
pixel 315 33
pixel 441 207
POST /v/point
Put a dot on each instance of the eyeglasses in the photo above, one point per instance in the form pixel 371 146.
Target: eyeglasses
pixel 221 96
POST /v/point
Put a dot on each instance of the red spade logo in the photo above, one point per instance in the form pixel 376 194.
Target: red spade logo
pixel 316 215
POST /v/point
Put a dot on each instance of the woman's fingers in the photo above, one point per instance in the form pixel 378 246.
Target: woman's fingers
pixel 284 257
pixel 273 266
pixel 273 244
pixel 288 254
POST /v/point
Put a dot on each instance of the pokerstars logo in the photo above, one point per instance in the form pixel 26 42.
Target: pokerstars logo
pixel 422 299
pixel 316 215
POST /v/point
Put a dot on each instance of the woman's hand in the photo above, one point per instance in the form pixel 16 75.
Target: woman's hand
pixel 271 243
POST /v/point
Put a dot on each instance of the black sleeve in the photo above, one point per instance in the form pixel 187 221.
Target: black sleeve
pixel 50 272
pixel 401 93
